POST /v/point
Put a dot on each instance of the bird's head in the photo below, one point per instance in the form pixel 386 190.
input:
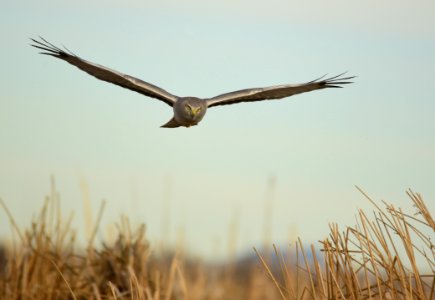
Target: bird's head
pixel 189 110
pixel 192 110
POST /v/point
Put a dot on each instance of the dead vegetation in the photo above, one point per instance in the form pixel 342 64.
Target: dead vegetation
pixel 387 255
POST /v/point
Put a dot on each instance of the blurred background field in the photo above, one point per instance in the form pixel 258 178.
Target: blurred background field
pixel 387 254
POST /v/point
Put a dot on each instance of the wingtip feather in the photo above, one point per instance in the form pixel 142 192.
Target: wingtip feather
pixel 51 49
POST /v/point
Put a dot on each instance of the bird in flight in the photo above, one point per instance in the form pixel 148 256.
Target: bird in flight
pixel 188 111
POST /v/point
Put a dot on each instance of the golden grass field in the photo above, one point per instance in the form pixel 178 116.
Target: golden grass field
pixel 387 254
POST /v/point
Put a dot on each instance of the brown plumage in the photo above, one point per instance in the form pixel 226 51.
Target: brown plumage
pixel 188 111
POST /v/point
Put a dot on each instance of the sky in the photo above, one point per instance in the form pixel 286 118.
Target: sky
pixel 294 161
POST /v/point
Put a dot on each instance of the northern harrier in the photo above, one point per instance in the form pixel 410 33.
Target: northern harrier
pixel 188 111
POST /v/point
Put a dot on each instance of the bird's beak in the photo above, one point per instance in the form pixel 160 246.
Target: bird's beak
pixel 196 111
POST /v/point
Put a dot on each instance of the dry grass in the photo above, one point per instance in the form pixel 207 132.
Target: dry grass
pixel 386 256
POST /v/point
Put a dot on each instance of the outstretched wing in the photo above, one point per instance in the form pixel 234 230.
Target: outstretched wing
pixel 106 74
pixel 278 91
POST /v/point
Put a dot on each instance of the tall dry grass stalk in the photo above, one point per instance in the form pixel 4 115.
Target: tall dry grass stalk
pixel 389 255
pixel 386 256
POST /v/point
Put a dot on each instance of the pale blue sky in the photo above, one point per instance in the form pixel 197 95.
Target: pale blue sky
pixel 378 133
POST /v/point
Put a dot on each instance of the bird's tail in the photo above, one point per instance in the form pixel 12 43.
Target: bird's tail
pixel 171 124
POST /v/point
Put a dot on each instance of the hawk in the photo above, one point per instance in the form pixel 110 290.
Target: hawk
pixel 188 111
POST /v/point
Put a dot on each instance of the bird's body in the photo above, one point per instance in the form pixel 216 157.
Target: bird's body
pixel 188 111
